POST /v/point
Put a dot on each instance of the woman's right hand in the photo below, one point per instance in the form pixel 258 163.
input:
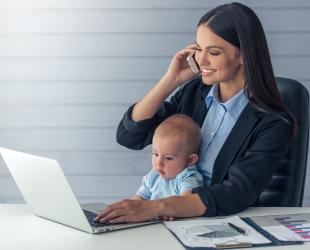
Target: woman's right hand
pixel 179 70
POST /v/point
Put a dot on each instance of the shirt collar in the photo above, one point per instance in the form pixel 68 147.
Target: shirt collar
pixel 233 106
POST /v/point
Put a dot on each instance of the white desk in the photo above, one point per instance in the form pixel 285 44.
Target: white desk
pixel 20 229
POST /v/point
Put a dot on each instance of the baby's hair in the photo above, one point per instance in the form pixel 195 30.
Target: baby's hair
pixel 185 128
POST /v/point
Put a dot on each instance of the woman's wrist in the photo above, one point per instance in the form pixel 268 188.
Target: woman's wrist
pixel 171 82
pixel 179 206
pixel 159 208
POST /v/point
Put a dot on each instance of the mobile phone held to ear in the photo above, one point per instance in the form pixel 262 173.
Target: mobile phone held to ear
pixel 193 64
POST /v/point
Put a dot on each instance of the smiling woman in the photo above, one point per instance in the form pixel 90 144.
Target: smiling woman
pixel 219 61
pixel 245 126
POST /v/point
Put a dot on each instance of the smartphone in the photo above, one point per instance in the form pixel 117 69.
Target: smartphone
pixel 193 64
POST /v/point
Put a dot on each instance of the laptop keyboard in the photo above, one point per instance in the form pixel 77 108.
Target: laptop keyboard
pixel 91 216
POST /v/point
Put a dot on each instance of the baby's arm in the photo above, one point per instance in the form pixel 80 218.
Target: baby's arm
pixel 186 192
pixel 189 179
pixel 144 192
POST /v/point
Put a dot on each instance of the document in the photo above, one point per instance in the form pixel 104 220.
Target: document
pixel 286 227
pixel 205 232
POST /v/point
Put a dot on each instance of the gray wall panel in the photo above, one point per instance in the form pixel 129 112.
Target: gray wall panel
pixel 72 91
pixel 106 163
pixel 82 69
pixel 141 21
pixel 59 139
pixel 141 4
pixel 61 116
pixel 118 68
pixel 136 45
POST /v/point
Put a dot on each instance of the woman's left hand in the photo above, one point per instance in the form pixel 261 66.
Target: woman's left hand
pixel 128 211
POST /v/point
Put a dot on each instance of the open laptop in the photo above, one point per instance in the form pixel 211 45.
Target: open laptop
pixel 47 192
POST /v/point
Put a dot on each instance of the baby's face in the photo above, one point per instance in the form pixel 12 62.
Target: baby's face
pixel 168 157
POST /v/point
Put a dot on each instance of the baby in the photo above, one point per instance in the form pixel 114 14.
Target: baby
pixel 175 147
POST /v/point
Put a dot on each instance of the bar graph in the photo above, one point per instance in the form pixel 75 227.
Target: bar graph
pixel 298 226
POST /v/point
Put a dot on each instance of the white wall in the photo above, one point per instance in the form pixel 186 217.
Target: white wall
pixel 70 68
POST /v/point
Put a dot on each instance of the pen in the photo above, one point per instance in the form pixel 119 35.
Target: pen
pixel 238 229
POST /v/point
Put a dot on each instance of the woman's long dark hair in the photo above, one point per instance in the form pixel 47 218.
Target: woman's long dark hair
pixel 239 25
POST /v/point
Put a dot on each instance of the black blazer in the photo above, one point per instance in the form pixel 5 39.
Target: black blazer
pixel 246 161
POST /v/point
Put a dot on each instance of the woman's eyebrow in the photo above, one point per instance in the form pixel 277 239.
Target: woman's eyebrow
pixel 210 47
pixel 214 46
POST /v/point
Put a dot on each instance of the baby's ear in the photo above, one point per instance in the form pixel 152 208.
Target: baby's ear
pixel 192 159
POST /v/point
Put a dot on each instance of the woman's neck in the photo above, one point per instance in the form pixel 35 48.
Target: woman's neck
pixel 228 89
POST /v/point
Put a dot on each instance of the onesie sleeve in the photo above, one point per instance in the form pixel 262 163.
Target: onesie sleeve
pixel 144 190
pixel 189 179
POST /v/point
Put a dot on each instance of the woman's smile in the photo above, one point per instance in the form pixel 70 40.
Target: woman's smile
pixel 207 72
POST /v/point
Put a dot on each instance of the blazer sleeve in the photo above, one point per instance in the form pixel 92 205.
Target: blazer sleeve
pixel 137 135
pixel 250 173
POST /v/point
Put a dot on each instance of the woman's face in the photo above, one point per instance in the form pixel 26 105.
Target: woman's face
pixel 219 61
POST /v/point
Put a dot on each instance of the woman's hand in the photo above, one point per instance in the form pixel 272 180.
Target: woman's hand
pixel 128 211
pixel 179 70
pixel 143 210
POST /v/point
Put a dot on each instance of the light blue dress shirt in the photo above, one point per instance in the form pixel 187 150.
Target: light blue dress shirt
pixel 155 187
pixel 216 127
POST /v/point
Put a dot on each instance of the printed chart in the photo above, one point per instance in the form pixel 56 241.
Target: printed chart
pixel 288 227
pixel 298 226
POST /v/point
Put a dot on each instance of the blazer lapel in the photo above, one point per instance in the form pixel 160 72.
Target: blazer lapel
pixel 234 141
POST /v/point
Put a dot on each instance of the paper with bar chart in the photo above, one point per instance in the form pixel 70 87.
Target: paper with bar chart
pixel 287 227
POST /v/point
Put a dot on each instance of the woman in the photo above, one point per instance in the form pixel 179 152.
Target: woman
pixel 245 126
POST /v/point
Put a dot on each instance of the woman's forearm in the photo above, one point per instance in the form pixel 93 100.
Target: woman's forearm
pixel 180 206
pixel 148 106
pixel 177 72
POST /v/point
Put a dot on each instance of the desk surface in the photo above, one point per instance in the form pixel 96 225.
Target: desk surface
pixel 20 229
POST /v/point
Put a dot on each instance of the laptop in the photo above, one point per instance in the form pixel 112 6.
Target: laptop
pixel 48 194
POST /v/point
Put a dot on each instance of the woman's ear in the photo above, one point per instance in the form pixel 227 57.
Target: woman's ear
pixel 241 59
pixel 239 56
pixel 192 159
